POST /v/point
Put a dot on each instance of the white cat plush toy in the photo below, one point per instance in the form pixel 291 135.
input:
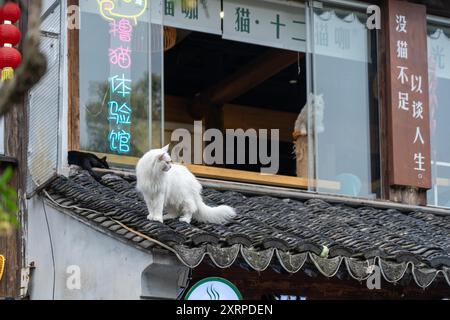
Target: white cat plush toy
pixel 173 187
pixel 317 104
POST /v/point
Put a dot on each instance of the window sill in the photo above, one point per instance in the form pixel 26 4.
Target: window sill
pixel 202 171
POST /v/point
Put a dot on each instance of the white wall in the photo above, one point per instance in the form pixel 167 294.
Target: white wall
pixel 109 268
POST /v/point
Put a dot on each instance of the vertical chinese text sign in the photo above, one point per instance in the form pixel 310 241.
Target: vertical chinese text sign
pixel 409 128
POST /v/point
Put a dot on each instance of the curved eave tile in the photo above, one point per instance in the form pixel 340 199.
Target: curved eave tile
pixel 327 267
pixel 258 260
pixel 358 270
pixel 424 277
pixel 191 257
pixel 223 257
pixel 392 272
pixel 292 263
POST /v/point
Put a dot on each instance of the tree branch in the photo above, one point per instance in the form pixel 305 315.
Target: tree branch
pixel 34 63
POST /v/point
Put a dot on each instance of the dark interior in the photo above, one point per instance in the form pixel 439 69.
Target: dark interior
pixel 200 61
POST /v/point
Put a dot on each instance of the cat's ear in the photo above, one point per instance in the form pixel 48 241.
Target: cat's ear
pixel 166 148
pixel 104 158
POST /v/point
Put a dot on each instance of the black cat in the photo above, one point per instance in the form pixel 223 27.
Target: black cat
pixel 87 161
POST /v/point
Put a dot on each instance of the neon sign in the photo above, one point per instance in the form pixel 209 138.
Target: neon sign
pixel 125 9
pixel 120 110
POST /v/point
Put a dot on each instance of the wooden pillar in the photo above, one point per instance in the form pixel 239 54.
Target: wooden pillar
pixel 16 136
pixel 10 244
pixel 16 145
pixel 74 84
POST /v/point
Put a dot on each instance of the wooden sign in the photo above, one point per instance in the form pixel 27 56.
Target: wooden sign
pixel 408 103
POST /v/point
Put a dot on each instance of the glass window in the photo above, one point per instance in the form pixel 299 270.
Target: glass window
pixel 227 74
pixel 439 75
pixel 235 71
pixel 120 76
pixel 344 105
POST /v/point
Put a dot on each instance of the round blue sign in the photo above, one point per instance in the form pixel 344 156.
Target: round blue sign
pixel 213 288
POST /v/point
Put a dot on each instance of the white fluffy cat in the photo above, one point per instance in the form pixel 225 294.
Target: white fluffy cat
pixel 173 187
pixel 318 106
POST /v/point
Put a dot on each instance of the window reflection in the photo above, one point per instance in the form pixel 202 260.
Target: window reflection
pixel 439 75
pixel 344 74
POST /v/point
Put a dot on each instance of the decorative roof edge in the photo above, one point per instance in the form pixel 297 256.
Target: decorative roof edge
pixel 224 257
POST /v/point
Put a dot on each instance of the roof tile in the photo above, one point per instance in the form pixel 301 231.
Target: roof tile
pixel 270 231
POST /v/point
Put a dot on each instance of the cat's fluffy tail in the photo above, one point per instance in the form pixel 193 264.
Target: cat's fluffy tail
pixel 219 215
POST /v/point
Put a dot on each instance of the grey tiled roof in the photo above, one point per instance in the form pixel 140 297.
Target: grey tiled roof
pixel 285 234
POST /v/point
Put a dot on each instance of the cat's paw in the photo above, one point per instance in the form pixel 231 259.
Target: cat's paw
pixel 185 219
pixel 152 218
pixel 171 216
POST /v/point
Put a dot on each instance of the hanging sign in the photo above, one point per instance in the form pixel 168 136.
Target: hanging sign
pixel 408 116
pixel 195 15
pixel 265 23
pixel 343 38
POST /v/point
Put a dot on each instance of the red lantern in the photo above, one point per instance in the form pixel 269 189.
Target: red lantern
pixel 11 12
pixel 10 59
pixel 9 35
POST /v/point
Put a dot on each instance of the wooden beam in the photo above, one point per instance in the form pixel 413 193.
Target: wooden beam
pixel 244 117
pixel 248 77
pixel 258 178
pixel 256 72
pixel 249 117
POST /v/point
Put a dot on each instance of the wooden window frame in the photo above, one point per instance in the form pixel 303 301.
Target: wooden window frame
pixel 73 85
